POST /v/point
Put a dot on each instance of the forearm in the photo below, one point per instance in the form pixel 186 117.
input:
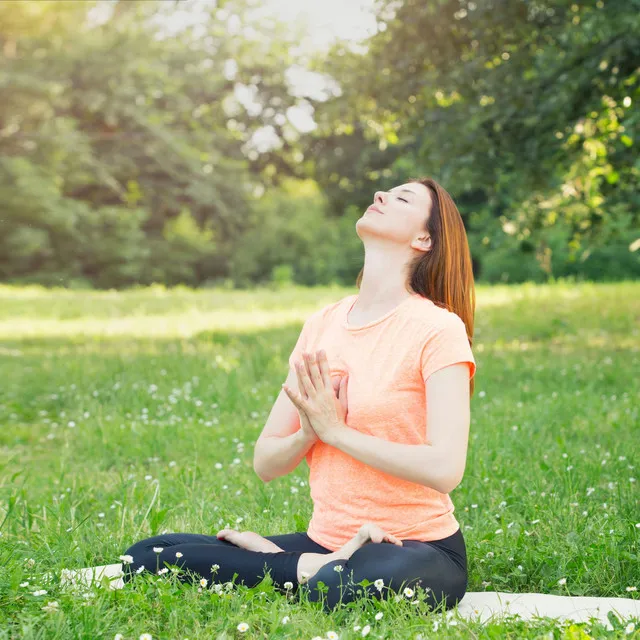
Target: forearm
pixel 277 456
pixel 417 463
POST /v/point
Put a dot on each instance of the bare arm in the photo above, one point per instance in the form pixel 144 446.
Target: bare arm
pixel 277 456
pixel 282 444
pixel 439 464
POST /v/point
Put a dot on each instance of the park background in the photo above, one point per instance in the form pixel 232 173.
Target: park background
pixel 179 187
pixel 227 144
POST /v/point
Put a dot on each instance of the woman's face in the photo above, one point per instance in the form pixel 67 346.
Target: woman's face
pixel 399 214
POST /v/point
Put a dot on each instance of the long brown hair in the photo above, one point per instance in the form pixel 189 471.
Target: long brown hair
pixel 444 274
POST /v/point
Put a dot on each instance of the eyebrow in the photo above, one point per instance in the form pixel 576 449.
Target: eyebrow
pixel 407 190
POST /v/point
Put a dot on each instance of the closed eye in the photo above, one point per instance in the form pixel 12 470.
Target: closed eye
pixel 403 199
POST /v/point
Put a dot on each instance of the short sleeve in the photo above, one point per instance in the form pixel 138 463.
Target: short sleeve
pixel 301 344
pixel 447 345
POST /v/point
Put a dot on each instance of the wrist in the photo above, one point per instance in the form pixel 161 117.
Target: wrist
pixel 304 438
pixel 334 437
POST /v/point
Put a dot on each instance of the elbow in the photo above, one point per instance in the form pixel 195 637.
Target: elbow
pixel 264 479
pixel 260 475
pixel 450 483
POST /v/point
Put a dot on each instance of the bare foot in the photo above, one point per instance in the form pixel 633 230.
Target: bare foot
pixel 310 563
pixel 248 540
pixel 368 532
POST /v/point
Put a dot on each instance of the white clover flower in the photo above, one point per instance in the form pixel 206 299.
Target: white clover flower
pixel 379 615
pixel 408 592
pixel 288 585
pixel 215 567
pixel 127 559
pixel 285 619
pixel 26 584
pixel 365 630
pixel 118 636
pixel 41 592
pixel 51 607
pixel 140 569
pixel 338 568
pixel 178 554
pixel 203 582
pixel 164 570
pixel 562 581
pixel 242 627
pixel 158 549
pixel 356 628
pixel 379 583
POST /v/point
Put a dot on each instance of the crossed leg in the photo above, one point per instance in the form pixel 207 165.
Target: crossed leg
pixel 415 562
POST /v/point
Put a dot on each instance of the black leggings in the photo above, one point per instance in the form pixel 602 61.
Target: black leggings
pixel 439 567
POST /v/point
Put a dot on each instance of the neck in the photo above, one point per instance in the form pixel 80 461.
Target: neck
pixel 383 282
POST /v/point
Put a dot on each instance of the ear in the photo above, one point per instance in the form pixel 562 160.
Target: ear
pixel 423 243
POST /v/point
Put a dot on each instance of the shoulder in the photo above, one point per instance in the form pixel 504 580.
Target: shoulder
pixel 431 316
pixel 328 312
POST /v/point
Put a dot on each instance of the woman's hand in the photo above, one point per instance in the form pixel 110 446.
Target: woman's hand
pixel 372 532
pixel 341 398
pixel 316 397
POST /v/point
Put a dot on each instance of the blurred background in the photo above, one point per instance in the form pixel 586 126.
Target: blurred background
pixel 236 143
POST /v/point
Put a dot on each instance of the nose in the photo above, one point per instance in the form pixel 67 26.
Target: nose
pixel 379 197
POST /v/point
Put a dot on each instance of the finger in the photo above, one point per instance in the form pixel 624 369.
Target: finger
pixel 313 372
pixel 294 397
pixel 323 367
pixel 304 383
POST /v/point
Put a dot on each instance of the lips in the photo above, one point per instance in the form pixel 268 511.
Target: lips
pixel 372 208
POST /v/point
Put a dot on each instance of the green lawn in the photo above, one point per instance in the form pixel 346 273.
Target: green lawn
pixel 126 414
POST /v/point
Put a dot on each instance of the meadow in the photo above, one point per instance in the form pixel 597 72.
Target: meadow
pixel 126 414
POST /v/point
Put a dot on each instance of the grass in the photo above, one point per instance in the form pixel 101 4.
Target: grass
pixel 125 414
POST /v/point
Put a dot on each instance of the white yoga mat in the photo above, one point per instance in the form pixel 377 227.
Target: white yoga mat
pixel 480 606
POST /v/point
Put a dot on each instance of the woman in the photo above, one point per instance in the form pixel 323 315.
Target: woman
pixel 383 462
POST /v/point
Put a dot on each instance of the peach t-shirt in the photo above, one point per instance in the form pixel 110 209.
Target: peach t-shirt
pixel 388 362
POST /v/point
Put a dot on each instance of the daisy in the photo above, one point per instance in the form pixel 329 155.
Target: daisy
pixel 126 559
pixel 242 627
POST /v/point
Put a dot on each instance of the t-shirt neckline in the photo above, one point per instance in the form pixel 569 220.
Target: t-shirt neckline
pixel 351 302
